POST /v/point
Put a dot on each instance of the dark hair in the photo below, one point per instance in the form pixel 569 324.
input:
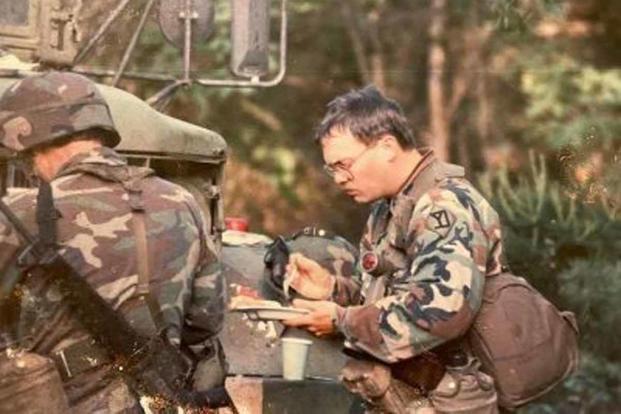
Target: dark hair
pixel 368 115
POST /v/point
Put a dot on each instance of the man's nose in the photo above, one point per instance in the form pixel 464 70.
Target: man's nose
pixel 341 177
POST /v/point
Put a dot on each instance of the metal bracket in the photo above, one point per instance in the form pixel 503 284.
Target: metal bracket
pixel 186 79
pixel 59 42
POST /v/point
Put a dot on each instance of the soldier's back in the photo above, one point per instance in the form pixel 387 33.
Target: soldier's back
pixel 96 236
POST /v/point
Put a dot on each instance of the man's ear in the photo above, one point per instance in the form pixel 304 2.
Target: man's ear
pixel 390 146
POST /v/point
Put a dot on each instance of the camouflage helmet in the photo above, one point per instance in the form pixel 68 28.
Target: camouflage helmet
pixel 332 252
pixel 44 108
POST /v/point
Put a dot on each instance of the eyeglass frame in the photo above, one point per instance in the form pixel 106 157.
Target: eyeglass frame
pixel 339 167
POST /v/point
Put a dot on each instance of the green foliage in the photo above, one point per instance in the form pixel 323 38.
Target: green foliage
pixel 547 226
pixel 518 16
pixel 595 388
pixel 592 289
pixel 301 7
pixel 571 103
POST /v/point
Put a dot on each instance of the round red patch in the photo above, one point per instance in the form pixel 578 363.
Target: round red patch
pixel 369 261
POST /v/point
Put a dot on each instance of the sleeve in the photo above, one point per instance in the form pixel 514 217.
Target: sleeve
pixel 205 314
pixel 438 295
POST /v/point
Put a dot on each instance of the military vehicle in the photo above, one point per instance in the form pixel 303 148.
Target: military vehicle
pixel 78 35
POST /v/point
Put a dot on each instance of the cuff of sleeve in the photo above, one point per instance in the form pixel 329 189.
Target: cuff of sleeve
pixel 361 325
pixel 339 318
pixel 344 316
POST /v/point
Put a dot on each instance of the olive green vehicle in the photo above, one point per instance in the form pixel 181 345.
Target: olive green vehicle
pixel 68 34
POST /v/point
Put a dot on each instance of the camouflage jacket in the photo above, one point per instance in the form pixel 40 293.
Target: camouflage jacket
pixel 423 261
pixel 96 238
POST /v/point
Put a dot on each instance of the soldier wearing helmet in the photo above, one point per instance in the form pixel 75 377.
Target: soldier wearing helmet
pixel 42 110
pixel 135 238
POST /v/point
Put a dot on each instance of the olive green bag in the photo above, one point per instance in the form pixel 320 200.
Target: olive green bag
pixel 522 340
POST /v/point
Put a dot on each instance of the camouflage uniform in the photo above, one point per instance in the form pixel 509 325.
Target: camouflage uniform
pixel 96 238
pixel 424 258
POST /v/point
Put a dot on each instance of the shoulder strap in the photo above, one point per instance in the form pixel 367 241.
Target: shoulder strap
pixel 432 175
pixel 427 179
pixel 403 204
pixel 142 260
pixel 131 180
pixel 130 177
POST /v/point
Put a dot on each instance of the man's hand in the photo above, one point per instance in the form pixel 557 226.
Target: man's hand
pixel 320 321
pixel 308 278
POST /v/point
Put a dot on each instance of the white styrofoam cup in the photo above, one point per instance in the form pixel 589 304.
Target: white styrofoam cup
pixel 294 356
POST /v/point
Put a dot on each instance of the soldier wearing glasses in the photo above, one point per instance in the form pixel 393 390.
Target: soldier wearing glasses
pixel 430 241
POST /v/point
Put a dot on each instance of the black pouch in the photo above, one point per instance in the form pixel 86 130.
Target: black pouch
pixel 276 259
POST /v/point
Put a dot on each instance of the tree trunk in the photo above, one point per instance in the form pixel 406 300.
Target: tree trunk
pixel 351 20
pixel 378 74
pixel 438 122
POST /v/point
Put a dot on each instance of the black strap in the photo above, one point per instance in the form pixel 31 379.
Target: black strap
pixel 46 215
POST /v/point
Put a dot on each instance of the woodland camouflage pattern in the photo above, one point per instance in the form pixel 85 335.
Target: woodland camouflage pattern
pixel 436 241
pixel 334 253
pixel 40 109
pixel 96 238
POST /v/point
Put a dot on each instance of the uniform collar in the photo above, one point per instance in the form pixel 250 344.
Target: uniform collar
pixel 101 156
pixel 425 175
pixel 428 158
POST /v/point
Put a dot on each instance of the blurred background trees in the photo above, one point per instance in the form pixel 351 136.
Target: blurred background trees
pixel 526 94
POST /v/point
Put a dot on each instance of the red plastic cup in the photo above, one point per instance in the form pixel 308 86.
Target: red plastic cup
pixel 236 223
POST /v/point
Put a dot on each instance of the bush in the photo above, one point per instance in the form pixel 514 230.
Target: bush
pixel 592 289
pixel 595 388
pixel 547 226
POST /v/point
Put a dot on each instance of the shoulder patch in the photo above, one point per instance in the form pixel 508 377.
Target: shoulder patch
pixel 440 221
